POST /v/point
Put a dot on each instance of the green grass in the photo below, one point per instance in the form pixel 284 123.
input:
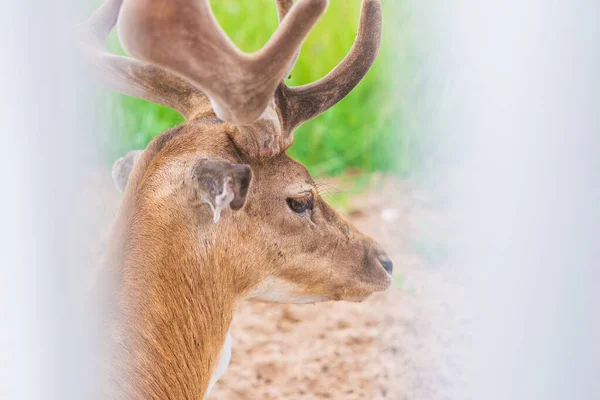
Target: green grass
pixel 359 132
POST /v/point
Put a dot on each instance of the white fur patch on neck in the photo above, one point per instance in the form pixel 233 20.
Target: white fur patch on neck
pixel 277 290
pixel 222 364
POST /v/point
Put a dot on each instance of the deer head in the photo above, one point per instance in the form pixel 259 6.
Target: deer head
pixel 214 211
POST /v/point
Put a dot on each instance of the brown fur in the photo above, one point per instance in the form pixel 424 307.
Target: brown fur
pixel 173 277
pixel 180 276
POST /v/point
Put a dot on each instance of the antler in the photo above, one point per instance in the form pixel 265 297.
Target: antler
pixel 132 77
pixel 283 7
pixel 194 56
pixel 184 37
pixel 303 103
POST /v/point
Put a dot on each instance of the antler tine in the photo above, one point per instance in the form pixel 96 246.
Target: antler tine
pixel 101 22
pixel 184 37
pixel 303 103
pixel 283 7
pixel 132 77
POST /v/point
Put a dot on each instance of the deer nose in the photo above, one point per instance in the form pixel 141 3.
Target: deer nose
pixel 387 264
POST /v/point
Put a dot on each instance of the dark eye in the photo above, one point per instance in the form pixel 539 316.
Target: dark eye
pixel 301 204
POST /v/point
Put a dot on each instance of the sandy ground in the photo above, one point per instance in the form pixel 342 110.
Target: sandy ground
pixel 402 344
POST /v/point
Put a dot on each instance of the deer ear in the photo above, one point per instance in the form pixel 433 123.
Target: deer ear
pixel 122 169
pixel 221 185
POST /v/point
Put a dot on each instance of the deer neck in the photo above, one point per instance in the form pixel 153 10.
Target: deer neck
pixel 174 307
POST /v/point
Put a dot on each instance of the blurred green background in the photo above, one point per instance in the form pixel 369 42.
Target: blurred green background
pixel 362 133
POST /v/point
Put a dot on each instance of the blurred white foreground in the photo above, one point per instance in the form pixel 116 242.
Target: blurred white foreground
pixel 47 148
pixel 520 118
pixel 519 113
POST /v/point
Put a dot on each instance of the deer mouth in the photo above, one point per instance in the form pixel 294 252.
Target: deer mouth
pixel 360 294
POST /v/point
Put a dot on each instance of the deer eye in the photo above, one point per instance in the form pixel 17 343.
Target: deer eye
pixel 301 204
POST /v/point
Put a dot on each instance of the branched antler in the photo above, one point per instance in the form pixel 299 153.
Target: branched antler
pixel 184 37
pixel 303 103
pixel 132 77
pixel 190 59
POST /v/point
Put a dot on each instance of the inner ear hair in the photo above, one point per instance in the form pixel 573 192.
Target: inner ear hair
pixel 221 184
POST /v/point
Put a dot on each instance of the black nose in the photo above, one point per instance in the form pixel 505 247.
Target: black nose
pixel 388 265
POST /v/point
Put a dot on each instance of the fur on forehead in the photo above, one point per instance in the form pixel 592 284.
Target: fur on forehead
pixel 283 169
pixel 199 139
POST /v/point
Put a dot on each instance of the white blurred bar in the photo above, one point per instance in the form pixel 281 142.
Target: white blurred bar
pixel 48 128
pixel 519 116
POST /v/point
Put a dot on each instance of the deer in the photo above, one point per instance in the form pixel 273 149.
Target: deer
pixel 214 212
